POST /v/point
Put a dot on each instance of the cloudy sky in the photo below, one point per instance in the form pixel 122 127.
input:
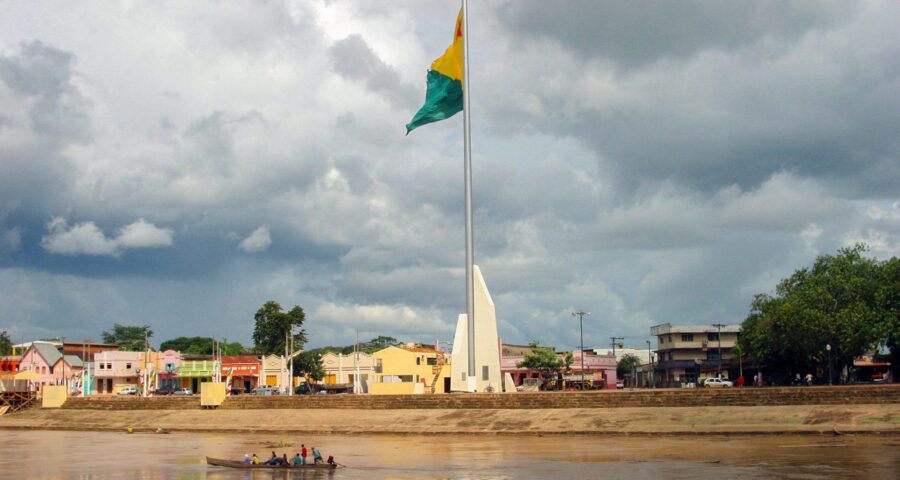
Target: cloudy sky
pixel 179 163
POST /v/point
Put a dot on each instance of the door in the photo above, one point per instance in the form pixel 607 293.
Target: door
pixel 271 380
pixel 446 384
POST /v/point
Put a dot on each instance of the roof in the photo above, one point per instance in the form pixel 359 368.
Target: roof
pixel 667 328
pixel 74 361
pixel 48 351
pixel 239 359
pixel 417 348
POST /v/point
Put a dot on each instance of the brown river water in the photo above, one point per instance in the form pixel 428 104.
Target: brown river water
pixel 109 455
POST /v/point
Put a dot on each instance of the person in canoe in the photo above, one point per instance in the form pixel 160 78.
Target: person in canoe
pixel 246 459
pixel 273 460
pixel 298 460
pixel 254 460
pixel 317 456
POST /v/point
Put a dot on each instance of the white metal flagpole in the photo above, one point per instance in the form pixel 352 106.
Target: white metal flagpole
pixel 467 172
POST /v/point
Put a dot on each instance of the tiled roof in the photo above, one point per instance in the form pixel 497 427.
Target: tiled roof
pixel 418 349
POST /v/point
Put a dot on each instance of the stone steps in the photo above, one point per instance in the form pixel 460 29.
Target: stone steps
pixel 844 395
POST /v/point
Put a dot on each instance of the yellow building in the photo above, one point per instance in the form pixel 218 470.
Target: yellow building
pixel 410 369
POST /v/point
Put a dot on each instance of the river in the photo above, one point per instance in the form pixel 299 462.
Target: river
pixel 112 455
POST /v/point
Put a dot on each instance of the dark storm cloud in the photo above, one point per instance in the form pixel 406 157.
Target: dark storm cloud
pixel 45 113
pixel 813 89
pixel 353 58
pixel 639 32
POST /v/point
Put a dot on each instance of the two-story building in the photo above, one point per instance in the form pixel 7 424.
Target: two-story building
pixel 52 367
pixel 342 369
pixel 196 369
pixel 687 354
pixel 410 368
pixel 167 364
pixel 114 370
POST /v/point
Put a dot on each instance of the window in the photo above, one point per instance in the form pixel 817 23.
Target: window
pixel 462 377
pixel 128 365
pixel 712 337
pixel 670 338
pixel 418 360
pixel 432 361
pixel 485 372
pixel 712 355
pixel 687 337
pixel 109 366
pixel 101 366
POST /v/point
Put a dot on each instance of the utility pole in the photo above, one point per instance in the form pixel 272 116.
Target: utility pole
pixel 719 336
pixel 62 344
pixel 651 382
pixel 828 349
pixel 613 341
pixel 580 315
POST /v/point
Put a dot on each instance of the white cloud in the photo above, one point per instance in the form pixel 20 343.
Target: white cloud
pixel 380 318
pixel 258 241
pixel 87 238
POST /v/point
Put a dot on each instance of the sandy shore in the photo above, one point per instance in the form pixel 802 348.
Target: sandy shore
pixel 800 419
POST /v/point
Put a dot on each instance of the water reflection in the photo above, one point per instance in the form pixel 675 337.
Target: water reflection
pixel 101 456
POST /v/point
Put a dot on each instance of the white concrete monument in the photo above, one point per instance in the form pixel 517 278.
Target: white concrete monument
pixel 487 350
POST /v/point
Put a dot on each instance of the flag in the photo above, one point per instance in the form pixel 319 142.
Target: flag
pixel 444 95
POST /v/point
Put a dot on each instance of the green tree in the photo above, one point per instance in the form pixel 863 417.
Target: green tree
pixel 5 343
pixel 543 360
pixel 309 363
pixel 272 323
pixel 378 343
pixel 128 338
pixel 201 346
pixel 844 300
pixel 627 364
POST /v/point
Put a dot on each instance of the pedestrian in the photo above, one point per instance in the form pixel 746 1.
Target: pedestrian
pixel 755 380
pixel 809 379
pixel 303 452
pixel 740 381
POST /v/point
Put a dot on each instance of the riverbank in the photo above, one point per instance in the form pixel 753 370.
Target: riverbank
pixel 728 420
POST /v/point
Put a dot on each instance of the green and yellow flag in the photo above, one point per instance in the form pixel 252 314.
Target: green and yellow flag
pixel 444 97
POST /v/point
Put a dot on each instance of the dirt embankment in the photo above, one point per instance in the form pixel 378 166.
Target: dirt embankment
pixel 795 419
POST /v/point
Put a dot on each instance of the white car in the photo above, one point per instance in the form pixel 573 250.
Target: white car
pixel 717 382
pixel 128 391
pixel 265 390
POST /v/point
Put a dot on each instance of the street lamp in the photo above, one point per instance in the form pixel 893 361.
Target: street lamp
pixel 828 349
pixel 580 315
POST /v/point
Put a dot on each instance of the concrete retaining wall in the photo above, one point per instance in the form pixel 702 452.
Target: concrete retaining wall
pixel 839 395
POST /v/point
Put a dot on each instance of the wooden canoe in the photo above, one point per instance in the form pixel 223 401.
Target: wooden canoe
pixel 219 462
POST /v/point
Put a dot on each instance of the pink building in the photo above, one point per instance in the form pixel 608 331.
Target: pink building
pixel 114 370
pixel 600 370
pixel 44 359
pixel 167 369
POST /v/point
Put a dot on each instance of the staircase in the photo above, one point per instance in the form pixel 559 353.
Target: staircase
pixel 768 396
pixel 437 376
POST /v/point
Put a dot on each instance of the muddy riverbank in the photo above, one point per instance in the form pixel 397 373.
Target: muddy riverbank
pixel 793 419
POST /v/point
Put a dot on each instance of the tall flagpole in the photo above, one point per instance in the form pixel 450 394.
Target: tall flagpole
pixel 470 254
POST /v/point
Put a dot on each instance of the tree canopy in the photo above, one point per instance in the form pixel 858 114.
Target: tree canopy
pixel 128 338
pixel 272 322
pixel 5 343
pixel 378 343
pixel 846 301
pixel 310 363
pixel 544 360
pixel 201 346
pixel 627 364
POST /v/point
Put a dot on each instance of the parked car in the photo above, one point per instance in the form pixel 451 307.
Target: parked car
pixel 237 391
pixel 182 391
pixel 128 391
pixel 265 390
pixel 161 391
pixel 717 382
pixel 620 385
